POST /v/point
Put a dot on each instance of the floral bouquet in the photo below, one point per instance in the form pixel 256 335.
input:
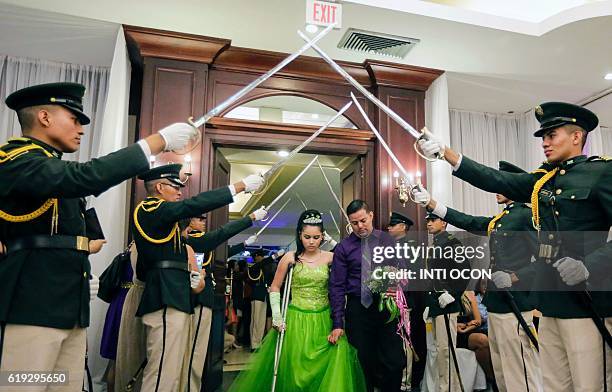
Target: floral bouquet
pixel 381 283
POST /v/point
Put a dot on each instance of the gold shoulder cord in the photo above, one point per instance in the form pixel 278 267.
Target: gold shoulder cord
pixel 210 256
pixel 534 195
pixel 149 206
pixel 52 202
pixel 257 278
pixel 491 225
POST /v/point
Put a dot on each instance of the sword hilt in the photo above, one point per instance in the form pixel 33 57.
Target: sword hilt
pixel 417 147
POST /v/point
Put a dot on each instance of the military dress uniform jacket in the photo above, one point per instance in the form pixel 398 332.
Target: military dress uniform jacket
pixel 158 219
pixel 574 208
pixel 512 243
pixel 206 243
pixel 261 276
pixel 50 287
pixel 454 287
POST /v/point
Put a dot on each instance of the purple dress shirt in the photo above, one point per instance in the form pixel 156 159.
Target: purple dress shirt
pixel 345 275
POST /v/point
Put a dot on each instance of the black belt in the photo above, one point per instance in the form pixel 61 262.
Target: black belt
pixel 169 264
pixel 78 243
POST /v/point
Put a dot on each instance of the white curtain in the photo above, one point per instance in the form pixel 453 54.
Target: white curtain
pixel 437 119
pixel 487 138
pixel 106 102
pixel 112 204
pixel 17 73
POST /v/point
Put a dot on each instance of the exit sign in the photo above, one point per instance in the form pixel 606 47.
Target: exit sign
pixel 323 13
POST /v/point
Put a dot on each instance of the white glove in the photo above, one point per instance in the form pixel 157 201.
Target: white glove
pixel 572 271
pixel 328 238
pixel 251 240
pixel 194 277
pixel 94 285
pixel 277 319
pixel 430 145
pixel 501 279
pixel 445 299
pixel 253 182
pixel 177 135
pixel 280 253
pixel 426 314
pixel 260 213
pixel 421 195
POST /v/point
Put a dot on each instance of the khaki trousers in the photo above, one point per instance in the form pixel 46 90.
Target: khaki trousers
pixel 166 335
pixel 446 366
pixel 572 355
pixel 131 345
pixel 32 348
pixel 258 322
pixel 200 348
pixel 516 361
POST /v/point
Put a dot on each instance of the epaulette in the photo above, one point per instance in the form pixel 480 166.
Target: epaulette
pixel 597 158
pixel 151 205
pixel 20 146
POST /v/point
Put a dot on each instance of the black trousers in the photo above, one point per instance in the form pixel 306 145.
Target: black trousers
pixel 379 347
pixel 418 337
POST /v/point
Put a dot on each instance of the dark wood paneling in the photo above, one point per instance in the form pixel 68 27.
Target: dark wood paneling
pixel 172 92
pixel 145 42
pixel 400 75
pixel 409 105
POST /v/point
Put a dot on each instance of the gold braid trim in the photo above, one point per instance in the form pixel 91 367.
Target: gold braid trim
pixel 257 278
pixel 52 202
pixel 491 225
pixel 534 195
pixel 174 234
pixel 196 235
pixel 210 256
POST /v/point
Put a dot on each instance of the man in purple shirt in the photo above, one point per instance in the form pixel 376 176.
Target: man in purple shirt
pixel 354 307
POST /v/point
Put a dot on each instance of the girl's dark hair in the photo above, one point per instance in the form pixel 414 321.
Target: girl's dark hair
pixel 307 218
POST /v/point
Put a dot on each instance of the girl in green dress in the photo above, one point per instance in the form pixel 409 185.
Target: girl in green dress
pixel 309 361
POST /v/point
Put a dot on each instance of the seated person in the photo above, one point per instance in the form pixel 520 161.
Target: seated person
pixel 472 331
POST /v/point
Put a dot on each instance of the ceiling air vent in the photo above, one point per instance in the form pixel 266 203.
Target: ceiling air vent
pixel 377 43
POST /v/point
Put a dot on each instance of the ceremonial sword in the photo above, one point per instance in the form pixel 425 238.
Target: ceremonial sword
pixel 296 179
pixel 413 187
pixel 331 189
pixel 402 123
pixel 246 89
pixel 271 219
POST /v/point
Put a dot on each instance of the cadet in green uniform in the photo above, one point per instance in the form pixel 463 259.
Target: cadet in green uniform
pixel 205 244
pixel 165 306
pixel 571 201
pixel 443 300
pixel 45 290
pixel 512 244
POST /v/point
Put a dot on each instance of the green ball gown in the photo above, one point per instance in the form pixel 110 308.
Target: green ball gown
pixel 309 363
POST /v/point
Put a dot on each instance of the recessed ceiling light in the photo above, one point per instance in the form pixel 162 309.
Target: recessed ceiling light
pixel 608 76
pixel 311 28
pixel 283 153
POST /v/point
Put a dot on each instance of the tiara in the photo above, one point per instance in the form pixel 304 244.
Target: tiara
pixel 314 218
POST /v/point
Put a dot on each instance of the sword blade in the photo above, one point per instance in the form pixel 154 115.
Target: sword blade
pixel 301 201
pixel 402 123
pixel 335 223
pixel 296 179
pixel 379 137
pixel 331 189
pixel 293 153
pixel 225 104
pixel 272 219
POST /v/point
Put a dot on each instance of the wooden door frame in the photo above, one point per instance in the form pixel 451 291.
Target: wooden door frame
pixel 234 133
